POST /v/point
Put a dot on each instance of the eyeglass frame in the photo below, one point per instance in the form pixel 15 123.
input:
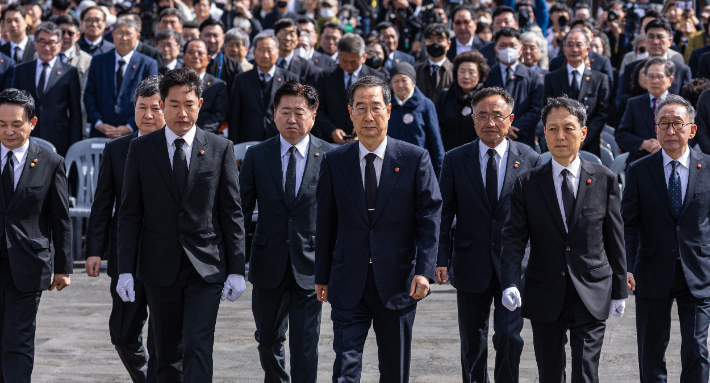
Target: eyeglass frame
pixel 502 118
pixel 669 124
pixel 368 110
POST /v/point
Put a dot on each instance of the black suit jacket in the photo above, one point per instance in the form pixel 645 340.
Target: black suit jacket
pixel 58 113
pixel 155 227
pixel 102 47
pixel 164 69
pixel 593 94
pixel 228 69
pixel 307 72
pixel 592 251
pixel 477 45
pixel 249 118
pixel 214 107
pixel 151 52
pixel 27 55
pixel 7 71
pixel 102 229
pixel 322 60
pixel 681 77
pixel 274 16
pixel 636 125
pixel 333 101
pixel 38 212
pixel 599 63
pixel 694 62
pixel 702 119
pixel 284 234
pixel 655 238
pixel 477 240
pixel 528 91
pixel 489 52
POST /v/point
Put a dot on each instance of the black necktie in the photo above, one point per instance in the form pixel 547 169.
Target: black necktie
pixel 370 183
pixel 575 85
pixel 290 186
pixel 567 196
pixel 119 75
pixel 282 64
pixel 434 69
pixel 62 57
pixel 42 81
pixel 180 166
pixel 17 57
pixel 492 179
pixel 8 179
pixel 508 75
pixel 350 82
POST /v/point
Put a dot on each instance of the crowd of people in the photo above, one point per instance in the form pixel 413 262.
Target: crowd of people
pixel 393 144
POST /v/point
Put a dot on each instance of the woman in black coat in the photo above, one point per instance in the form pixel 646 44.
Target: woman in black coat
pixel 454 104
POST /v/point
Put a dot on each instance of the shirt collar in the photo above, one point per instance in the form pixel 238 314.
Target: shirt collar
pixel 69 52
pixel 97 42
pixel 468 44
pixel 170 136
pixel 214 56
pixel 683 159
pixel 503 67
pixel 51 63
pixel 356 73
pixel 171 65
pixel 22 44
pixel 19 153
pixel 270 72
pixel 379 152
pixel 663 96
pixel 202 75
pixel 500 149
pixel 288 58
pixel 126 58
pixel 573 167
pixel 579 69
pixel 300 146
pixel 440 63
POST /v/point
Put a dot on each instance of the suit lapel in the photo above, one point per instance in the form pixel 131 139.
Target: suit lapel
pixel 659 178
pixel 695 169
pixel 496 76
pixel 273 161
pixel 110 72
pixel 256 88
pixel 311 170
pixel 277 82
pixel 27 173
pixel 586 172
pixel 584 85
pixel 648 116
pixel 163 160
pixel 196 159
pixel 473 167
pixel 547 184
pixel 29 53
pixel 564 79
pixel 511 174
pixel 56 72
pixel 388 177
pixel 33 84
pixel 351 166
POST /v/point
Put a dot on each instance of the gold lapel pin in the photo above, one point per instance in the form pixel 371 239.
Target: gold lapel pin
pixel 208 84
pixel 589 182
pixel 396 170
pixel 202 152
pixel 58 73
pixel 516 164
pixel 587 78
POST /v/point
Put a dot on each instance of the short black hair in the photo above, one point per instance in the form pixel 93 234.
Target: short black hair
pixel 573 106
pixel 651 13
pixel 61 5
pixel 14 7
pixel 147 88
pixel 190 24
pixel 384 25
pixel 332 25
pixel 435 30
pixel 370 82
pixel 490 92
pixel 507 32
pixel 187 44
pixel 210 22
pixel 659 23
pixel 586 24
pixel 181 77
pixel 286 23
pixel 19 97
pixel 83 13
pixel 504 9
pixel 307 20
pixel 68 19
pixel 558 7
pixel 294 88
pixel 474 15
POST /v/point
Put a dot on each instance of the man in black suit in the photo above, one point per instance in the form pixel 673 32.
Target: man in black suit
pixel 170 43
pixel 333 119
pixel 214 95
pixel 476 182
pixel 465 39
pixel 7 71
pixel 567 211
pixel 377 232
pixel 286 32
pixel 93 25
pixel 330 35
pixel 127 318
pixel 34 212
pixel 221 66
pixel 599 63
pixel 251 111
pixel 665 210
pixel 19 47
pixel 181 230
pixel 56 88
pixel 659 37
pixel 282 266
pixel 636 133
pixel 503 16
pixel 320 60
pixel 523 84
pixel 587 86
pixel 702 135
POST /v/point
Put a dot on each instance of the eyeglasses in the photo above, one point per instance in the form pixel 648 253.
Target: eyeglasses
pixel 660 37
pixel 68 33
pixel 677 125
pixel 656 77
pixel 93 21
pixel 361 110
pixel 496 119
pixel 44 43
pixel 530 47
pixel 121 35
pixel 578 46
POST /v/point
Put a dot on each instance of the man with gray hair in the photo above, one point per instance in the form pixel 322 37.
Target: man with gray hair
pixel 113 77
pixel 535 52
pixel 127 318
pixel 666 228
pixel 236 46
pixel 56 88
pixel 333 120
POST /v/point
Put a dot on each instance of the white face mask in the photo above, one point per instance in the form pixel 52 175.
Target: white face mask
pixel 641 56
pixel 508 55
pixel 327 13
pixel 302 53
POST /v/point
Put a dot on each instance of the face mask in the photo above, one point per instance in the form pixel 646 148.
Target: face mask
pixel 641 56
pixel 302 53
pixel 374 62
pixel 282 4
pixel 436 50
pixel 327 13
pixel 508 55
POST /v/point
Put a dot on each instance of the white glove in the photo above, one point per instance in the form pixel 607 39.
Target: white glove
pixel 511 298
pixel 124 288
pixel 233 287
pixel 617 307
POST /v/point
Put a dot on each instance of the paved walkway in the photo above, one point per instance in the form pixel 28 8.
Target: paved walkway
pixel 73 342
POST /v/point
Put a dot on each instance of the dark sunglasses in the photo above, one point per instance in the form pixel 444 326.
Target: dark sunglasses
pixel 68 33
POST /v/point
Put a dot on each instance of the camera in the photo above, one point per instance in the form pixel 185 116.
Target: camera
pixel 613 16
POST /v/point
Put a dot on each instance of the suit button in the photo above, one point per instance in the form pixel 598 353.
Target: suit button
pixel 677 228
pixel 287 241
pixel 181 214
pixel 494 221
pixel 567 248
pixel 493 243
pixel 563 273
pixel 673 251
pixel 290 219
pixel 372 232
pixel 182 236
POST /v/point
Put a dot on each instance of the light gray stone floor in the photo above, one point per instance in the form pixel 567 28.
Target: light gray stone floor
pixel 73 342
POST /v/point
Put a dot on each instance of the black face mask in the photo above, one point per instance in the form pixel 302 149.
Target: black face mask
pixel 282 4
pixel 435 50
pixel 374 62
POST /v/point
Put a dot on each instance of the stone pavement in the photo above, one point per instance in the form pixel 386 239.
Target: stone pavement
pixel 73 343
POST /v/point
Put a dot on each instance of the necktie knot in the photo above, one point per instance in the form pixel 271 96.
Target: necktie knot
pixel 565 173
pixel 9 155
pixel 655 101
pixel 434 68
pixel 370 158
pixel 491 153
pixel 674 164
pixel 45 65
pixel 121 62
pixel 292 149
pixel 178 143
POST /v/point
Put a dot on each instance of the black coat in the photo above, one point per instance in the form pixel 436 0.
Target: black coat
pixel 455 122
pixel 598 62
pixel 250 119
pixel 592 252
pixel 227 71
pixel 274 16
pixel 477 45
pixel 27 55
pixel 637 125
pixel 59 111
pixel 593 94
pixel 214 107
pixel 702 119
pixel 102 47
pixel 155 227
pixel 322 60
pixel 694 62
pixel 164 69
pixel 284 235
pixel 7 71
pixel 151 52
pixel 307 72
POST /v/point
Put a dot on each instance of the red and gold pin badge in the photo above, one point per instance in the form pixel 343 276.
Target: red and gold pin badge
pixel 58 73
pixel 202 152
pixel 134 67
pixel 316 154
pixel 516 164
pixel 316 61
pixel 587 79
pixel 700 166
pixel 1 60
pixel 512 77
pixel 589 182
pixel 396 170
pixel 33 163
pixel 208 84
pixel 278 79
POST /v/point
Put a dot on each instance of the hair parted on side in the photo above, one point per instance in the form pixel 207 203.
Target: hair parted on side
pixel 370 82
pixel 493 91
pixel 573 106
pixel 148 87
pixel 294 88
pixel 19 97
pixel 181 77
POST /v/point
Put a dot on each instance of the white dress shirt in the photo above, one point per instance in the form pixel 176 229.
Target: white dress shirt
pixel 651 97
pixel 19 156
pixel 301 153
pixel 171 65
pixel 460 48
pixel 98 41
pixel 574 169
pixel 269 74
pixel 22 45
pixel 68 54
pixel 189 137
pixel 501 159
pixel 380 153
pixel 580 70
pixel 683 170
pixel 126 58
pixel 504 71
pixel 355 75
pixel 440 63
pixel 38 72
